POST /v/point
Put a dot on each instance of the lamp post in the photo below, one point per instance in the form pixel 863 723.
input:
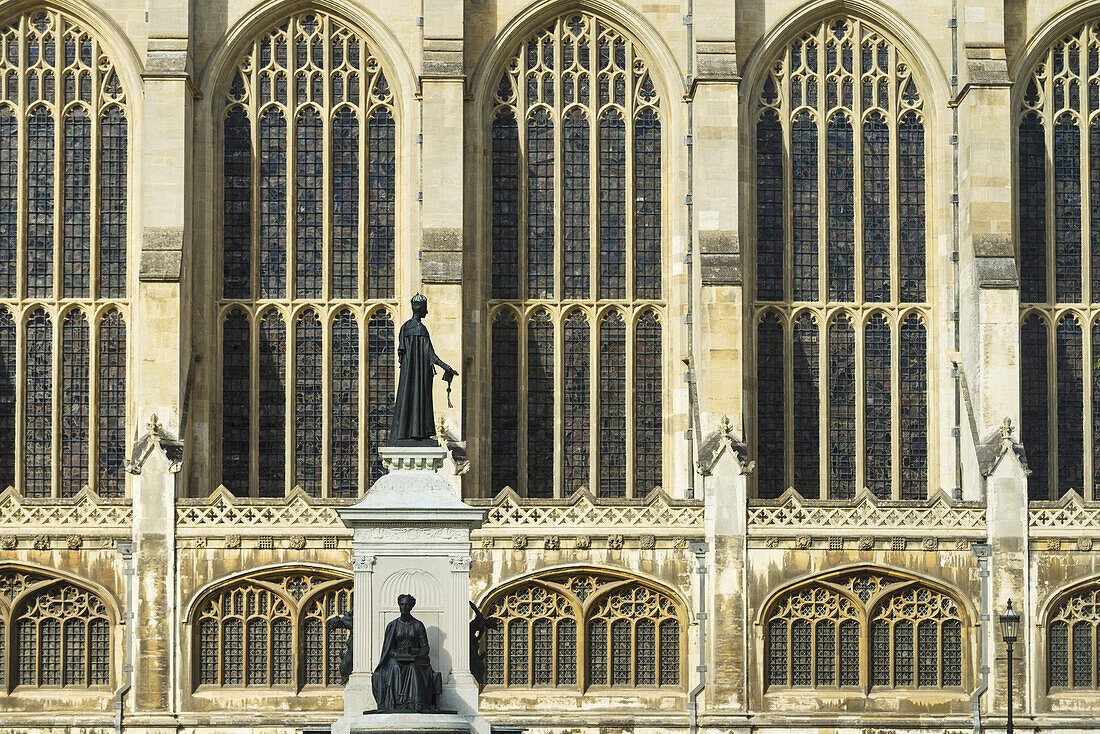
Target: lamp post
pixel 1010 631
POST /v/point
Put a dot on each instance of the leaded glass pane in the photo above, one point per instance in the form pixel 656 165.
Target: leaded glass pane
pixel 621 653
pixel 1070 403
pixel 540 205
pixel 612 391
pixel 1094 199
pixel 769 208
pixel 273 203
pixel 777 653
pixel 801 653
pixel 257 652
pixel 345 405
pixel 99 649
pixel 1058 654
pixel 903 653
pixel 505 206
pixel 1082 655
pixel 911 214
pixel 542 645
pixel 1033 398
pixel 1032 205
pixel 49 653
pixel 9 358
pixel 208 652
pixel 913 398
pixel 382 193
pixel 237 205
pixel 840 213
pixel 38 392
pixel 849 653
pixel 114 146
pixel 505 410
pixel 951 646
pixel 876 209
pixel 842 409
pixel 645 653
pixel 877 366
pixel 1067 210
pixel 381 359
pixel 597 653
pixel 313 652
pixel 825 653
pixel 345 204
pixel 805 401
pixel 308 401
pixel 282 652
pixel 40 203
pixel 494 657
pixel 309 230
pixel 576 378
pixel 236 399
pixel 76 234
pixel 518 658
pixel 9 200
pixel 647 205
pixel 928 673
pixel 612 188
pixel 648 404
pixel 540 406
pixel 804 202
pixel 770 409
pixel 576 205
pixel 26 653
pixel 75 354
pixel 272 404
pixel 670 653
pixel 112 403
pixel 232 653
pixel 75 663
pixel 880 653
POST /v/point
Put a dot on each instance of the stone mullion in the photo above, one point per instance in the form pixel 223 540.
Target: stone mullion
pixel 1083 151
pixel 1087 488
pixel 1052 403
pixel 630 341
pixel 57 322
pixel 326 318
pixel 821 79
pixel 522 324
pixel 630 166
pixel 363 468
pixel 290 407
pixel 254 402
pixel 255 105
pixel 787 324
pixel 95 146
pixel 59 158
pixel 93 399
pixel 894 177
pixel 326 166
pixel 523 109
pixel 556 117
pixel 895 399
pixel 823 443
pixel 594 391
pixel 362 114
pixel 558 320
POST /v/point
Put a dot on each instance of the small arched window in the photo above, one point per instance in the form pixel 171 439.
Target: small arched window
pixel 64 162
pixel 576 294
pixel 54 632
pixel 1072 637
pixel 270 631
pixel 308 285
pixel 583 631
pixel 817 635
pixel 1058 199
pixel 841 307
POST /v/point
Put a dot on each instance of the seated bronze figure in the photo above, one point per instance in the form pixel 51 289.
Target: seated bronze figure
pixel 404 679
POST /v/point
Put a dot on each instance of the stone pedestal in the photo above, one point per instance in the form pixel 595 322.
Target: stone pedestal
pixel 412 536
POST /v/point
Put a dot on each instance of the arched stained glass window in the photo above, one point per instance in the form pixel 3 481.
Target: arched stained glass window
pixel 576 190
pixel 1058 199
pixel 308 228
pixel 64 154
pixel 839 292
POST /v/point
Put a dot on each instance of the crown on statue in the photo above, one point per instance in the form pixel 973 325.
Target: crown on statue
pixel 418 298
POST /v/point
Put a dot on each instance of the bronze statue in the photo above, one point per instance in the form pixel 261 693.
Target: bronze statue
pixel 479 625
pixel 344 621
pixel 413 412
pixel 404 679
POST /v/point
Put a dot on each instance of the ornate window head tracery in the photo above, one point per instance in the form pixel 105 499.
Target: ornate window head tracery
pixel 271 631
pixel 818 634
pixel 576 259
pixel 1072 633
pixel 583 631
pixel 1058 200
pixel 308 261
pixel 840 293
pixel 53 632
pixel 64 161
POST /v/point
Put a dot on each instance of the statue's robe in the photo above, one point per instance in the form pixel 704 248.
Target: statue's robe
pixel 413 412
pixel 405 686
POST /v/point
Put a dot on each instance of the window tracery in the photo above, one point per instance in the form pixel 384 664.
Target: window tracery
pixel 1072 636
pixel 576 265
pixel 271 631
pixel 1058 195
pixel 818 634
pixel 64 159
pixel 583 631
pixel 840 297
pixel 308 286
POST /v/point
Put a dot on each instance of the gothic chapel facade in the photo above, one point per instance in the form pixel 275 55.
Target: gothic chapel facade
pixel 778 326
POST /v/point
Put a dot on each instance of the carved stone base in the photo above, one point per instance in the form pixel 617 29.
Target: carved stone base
pixel 409 724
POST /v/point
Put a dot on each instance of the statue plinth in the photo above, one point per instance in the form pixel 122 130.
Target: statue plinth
pixel 411 535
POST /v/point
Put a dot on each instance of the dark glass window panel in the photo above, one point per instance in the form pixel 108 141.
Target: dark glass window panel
pixel 38 392
pixel 576 204
pixel 825 653
pixel 1094 202
pixel 232 653
pixel 903 653
pixel 40 203
pixel 913 405
pixel 801 653
pixel 647 205
pixel 928 673
pixel 9 200
pixel 1067 210
pixel 1033 396
pixel 282 652
pixel 49 653
pixel 518 655
pixel 805 401
pixel 542 648
pixel 273 191
pixel 77 229
pixel 951 644
pixel 597 652
pixel 1069 358
pixel 76 662
pixel 567 652
pixel 612 187
pixel 1032 207
pixel 494 656
pixel 911 214
pixel 309 218
pixel 621 653
pixel 505 213
pixel 505 407
pixel 381 359
pixel 849 652
pixel 876 209
pixel 540 205
pixel 877 422
pixel 257 652
pixel 577 402
pixel 841 212
pixel 382 194
pixel 75 355
pixel 670 653
pixel 612 422
pixel 26 653
pixel 648 404
pixel 777 653
pixel 308 401
pixel 345 205
pixel 237 206
pixel 1082 655
pixel 770 410
pixel 769 208
pixel 345 405
pixel 804 203
pixel 880 653
pixel 313 652
pixel 645 651
pixel 9 358
pixel 540 406
pixel 842 409
pixel 1095 377
pixel 208 652
pixel 113 140
pixel 1058 655
pixel 236 399
pixel 271 389
pixel 112 404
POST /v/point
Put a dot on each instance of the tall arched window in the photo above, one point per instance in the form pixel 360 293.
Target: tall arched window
pixel 308 237
pixel 64 156
pixel 817 635
pixel 1073 633
pixel 583 631
pixel 1058 197
pixel 576 296
pixel 270 631
pixel 55 633
pixel 841 309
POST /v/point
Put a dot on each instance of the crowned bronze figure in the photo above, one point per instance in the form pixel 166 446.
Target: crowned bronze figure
pixel 404 679
pixel 413 412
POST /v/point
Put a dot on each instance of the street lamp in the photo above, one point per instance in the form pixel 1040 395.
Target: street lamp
pixel 1010 631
